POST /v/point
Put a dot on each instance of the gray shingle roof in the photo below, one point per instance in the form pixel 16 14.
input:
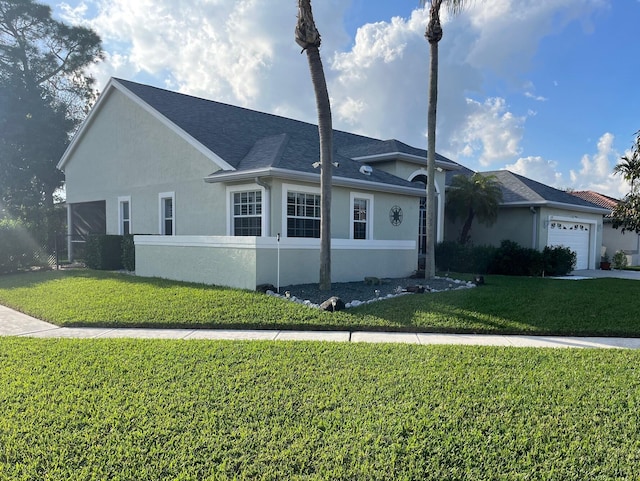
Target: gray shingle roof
pixel 517 189
pixel 248 140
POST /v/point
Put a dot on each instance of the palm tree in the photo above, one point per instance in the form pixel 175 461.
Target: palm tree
pixel 433 35
pixel 470 197
pixel 629 167
pixel 308 37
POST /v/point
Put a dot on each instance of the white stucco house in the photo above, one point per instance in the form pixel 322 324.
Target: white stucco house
pixel 230 196
pixel 536 215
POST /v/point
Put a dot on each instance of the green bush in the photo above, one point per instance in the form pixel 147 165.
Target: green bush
pixel 455 257
pixel 512 259
pixel 558 260
pixel 619 260
pixel 128 253
pixel 18 250
pixel 104 252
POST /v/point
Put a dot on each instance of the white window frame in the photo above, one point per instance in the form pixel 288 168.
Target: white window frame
pixel 121 201
pixel 161 212
pixel 369 222
pixel 303 189
pixel 264 216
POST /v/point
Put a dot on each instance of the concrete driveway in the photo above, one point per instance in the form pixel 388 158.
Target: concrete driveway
pixel 633 275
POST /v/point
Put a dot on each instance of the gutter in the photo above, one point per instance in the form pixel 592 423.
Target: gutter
pixel 235 176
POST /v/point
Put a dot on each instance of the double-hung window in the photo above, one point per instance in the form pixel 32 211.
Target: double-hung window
pixel 303 214
pixel 246 213
pixel 167 213
pixel 361 216
pixel 124 215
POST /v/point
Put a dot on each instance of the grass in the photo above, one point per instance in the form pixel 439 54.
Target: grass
pixel 197 410
pixel 511 305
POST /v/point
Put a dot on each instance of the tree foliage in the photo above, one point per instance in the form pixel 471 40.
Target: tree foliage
pixel 626 215
pixel 44 94
pixel 475 196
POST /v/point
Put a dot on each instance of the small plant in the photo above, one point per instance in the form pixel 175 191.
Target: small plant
pixel 605 263
pixel 619 260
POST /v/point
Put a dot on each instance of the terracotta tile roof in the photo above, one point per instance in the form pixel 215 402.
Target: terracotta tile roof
pixel 597 198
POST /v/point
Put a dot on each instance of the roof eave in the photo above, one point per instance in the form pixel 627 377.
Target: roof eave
pixel 559 205
pixel 285 174
pixel 415 159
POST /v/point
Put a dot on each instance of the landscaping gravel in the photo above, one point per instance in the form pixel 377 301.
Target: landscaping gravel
pixel 356 293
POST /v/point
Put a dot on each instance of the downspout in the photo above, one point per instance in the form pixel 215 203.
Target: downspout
pixel 267 206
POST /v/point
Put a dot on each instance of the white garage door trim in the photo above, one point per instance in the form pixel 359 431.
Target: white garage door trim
pixel 576 234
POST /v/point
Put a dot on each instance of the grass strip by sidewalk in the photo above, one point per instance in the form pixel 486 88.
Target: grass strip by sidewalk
pixel 194 410
pixel 508 305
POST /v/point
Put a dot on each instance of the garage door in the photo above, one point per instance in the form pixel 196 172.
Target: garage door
pixel 573 235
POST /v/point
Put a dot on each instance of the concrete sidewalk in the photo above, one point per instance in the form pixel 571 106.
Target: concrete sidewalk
pixel 14 323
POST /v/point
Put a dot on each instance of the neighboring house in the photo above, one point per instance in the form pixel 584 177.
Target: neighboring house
pixel 613 240
pixel 535 215
pixel 229 196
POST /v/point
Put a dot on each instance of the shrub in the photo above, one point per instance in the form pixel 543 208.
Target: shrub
pixel 514 260
pixel 452 257
pixel 456 257
pixel 104 252
pixel 18 250
pixel 558 260
pixel 482 257
pixel 619 260
pixel 128 253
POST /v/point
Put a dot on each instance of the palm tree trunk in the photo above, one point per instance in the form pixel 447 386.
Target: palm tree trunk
pixel 430 263
pixel 308 37
pixel 325 130
pixel 464 233
pixel 433 35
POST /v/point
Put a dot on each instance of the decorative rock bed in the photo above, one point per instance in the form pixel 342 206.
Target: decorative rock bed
pixel 333 300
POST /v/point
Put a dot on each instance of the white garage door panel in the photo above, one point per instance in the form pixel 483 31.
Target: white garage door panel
pixel 573 235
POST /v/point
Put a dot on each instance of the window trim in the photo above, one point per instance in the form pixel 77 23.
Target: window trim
pixel 264 216
pixel 121 201
pixel 161 212
pixel 286 189
pixel 369 222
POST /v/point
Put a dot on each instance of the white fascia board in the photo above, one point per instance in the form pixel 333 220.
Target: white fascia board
pixel 372 159
pixel 559 205
pixel 114 84
pixel 314 178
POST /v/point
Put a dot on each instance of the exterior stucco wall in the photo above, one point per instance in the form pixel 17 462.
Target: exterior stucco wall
pixel 341 217
pixel 615 240
pixel 244 262
pixel 513 224
pixel 126 152
pixel 531 228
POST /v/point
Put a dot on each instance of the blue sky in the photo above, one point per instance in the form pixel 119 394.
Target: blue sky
pixel 544 88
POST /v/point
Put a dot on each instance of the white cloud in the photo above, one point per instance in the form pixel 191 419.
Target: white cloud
pixel 243 52
pixel 539 169
pixel 595 171
pixel 491 131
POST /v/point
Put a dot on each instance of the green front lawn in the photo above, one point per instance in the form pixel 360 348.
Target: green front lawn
pixel 197 410
pixel 504 305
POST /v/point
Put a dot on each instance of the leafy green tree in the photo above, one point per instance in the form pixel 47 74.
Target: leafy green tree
pixel 308 37
pixel 44 95
pixel 477 196
pixel 433 35
pixel 626 215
